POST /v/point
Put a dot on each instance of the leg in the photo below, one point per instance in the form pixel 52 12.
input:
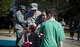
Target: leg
pixel 71 33
pixel 78 35
pixel 20 37
pixel 78 32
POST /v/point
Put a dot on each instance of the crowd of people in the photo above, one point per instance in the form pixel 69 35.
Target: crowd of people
pixel 38 29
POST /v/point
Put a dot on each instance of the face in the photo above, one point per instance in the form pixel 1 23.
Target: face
pixel 43 15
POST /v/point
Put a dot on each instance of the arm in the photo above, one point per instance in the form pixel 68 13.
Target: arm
pixel 61 44
pixel 20 17
pixel 62 36
pixel 41 30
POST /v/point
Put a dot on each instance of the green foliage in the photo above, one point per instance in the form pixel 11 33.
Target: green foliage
pixel 5 5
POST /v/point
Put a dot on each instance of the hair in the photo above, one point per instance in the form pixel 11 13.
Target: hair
pixel 52 12
pixel 43 14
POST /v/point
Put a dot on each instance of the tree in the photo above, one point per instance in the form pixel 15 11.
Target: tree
pixel 5 6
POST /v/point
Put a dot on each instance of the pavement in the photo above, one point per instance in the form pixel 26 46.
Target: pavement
pixel 71 43
pixel 5 35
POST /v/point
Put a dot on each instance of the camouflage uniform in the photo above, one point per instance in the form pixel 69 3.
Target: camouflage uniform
pixel 19 26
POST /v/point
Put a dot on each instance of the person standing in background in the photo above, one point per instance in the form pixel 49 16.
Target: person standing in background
pixel 62 23
pixel 78 31
pixel 71 30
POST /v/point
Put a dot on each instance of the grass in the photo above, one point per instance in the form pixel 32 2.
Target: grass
pixel 67 33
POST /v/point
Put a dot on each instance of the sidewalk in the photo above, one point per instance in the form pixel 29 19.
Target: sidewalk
pixel 5 35
pixel 71 43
